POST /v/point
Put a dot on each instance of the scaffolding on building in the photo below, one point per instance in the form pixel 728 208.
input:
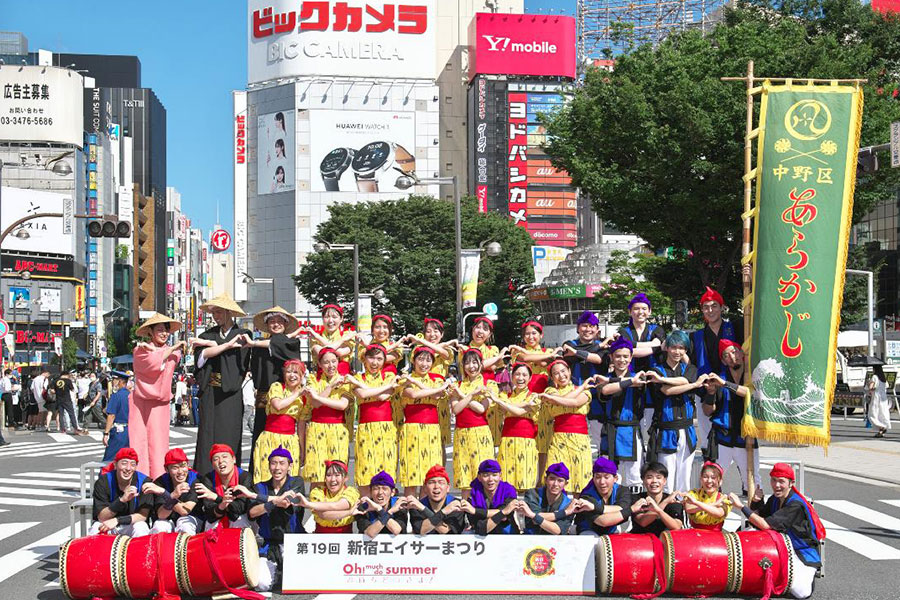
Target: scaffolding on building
pixel 607 28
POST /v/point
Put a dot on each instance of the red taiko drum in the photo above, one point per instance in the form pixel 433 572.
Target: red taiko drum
pixel 625 564
pixel 87 566
pixel 235 553
pixel 753 552
pixel 696 562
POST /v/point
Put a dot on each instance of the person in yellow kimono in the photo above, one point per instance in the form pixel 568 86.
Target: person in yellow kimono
pixel 420 445
pixel 432 336
pixel 569 405
pixel 382 329
pixel 471 399
pixel 518 455
pixel 376 438
pixel 327 396
pixel 342 343
pixel 285 421
pixel 482 336
pixel 332 505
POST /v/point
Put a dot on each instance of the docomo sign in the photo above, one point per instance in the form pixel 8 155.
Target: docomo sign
pixel 353 38
pixel 502 44
pixel 220 240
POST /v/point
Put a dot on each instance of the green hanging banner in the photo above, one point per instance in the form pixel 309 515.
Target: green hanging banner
pixel 806 171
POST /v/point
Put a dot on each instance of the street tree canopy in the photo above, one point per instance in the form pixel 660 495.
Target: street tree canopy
pixel 408 246
pixel 658 142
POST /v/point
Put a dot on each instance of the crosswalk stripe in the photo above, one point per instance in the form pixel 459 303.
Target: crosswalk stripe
pixel 21 559
pixel 26 502
pixel 62 437
pixel 177 435
pixel 892 502
pixel 37 492
pixel 859 543
pixel 65 453
pixel 8 529
pixel 50 475
pixel 45 449
pixel 96 435
pixel 70 470
pixel 857 511
pixel 48 484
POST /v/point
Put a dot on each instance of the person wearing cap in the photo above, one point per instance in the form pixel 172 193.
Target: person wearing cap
pixel 606 504
pixel 707 507
pixel 119 505
pixel 533 353
pixel 788 511
pixel 518 450
pixel 225 492
pixel 492 358
pixel 332 337
pixel 381 510
pixel 470 401
pixel 672 437
pixel 624 405
pixel 267 358
pixel 432 336
pixel 148 415
pixel 660 511
pixel 569 405
pixel 222 361
pixel 419 444
pixel 115 434
pixel 327 397
pixel 176 507
pixel 647 339
pixel 492 504
pixel 332 505
pixel 549 510
pixel 376 438
pixel 285 424
pixel 586 356
pixel 275 509
pixel 437 512
pixel 724 403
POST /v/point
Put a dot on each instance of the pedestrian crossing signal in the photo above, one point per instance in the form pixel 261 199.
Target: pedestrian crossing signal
pixel 109 226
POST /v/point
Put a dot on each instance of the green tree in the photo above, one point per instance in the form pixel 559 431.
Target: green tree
pixel 658 143
pixel 111 344
pixel 408 247
pixel 69 349
pixel 628 275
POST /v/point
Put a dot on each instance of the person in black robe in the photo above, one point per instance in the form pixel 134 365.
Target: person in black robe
pixel 267 357
pixel 222 361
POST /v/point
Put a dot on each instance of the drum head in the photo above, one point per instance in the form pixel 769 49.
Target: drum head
pixel 250 557
pixel 604 557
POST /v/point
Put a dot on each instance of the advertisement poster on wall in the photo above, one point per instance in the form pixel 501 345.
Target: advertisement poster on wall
pixel 45 234
pixel 19 297
pixel 51 299
pixel 41 104
pixel 275 153
pixel 361 151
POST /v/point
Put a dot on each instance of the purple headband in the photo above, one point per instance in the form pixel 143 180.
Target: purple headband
pixel 640 298
pixel 382 479
pixel 559 469
pixel 589 318
pixel 604 465
pixel 283 452
pixel 489 466
pixel 619 343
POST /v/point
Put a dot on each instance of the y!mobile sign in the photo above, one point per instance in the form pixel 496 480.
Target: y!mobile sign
pixel 352 38
pixel 502 44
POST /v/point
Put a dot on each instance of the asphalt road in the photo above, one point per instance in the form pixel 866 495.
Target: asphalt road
pixel 862 516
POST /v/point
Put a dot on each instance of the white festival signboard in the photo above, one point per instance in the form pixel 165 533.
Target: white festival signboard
pixel 514 564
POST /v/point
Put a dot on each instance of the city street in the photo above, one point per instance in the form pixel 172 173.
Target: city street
pixel 40 478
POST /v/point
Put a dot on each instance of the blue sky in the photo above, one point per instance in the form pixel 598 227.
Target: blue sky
pixel 192 55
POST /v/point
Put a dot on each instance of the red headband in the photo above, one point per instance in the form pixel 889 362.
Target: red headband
pixel 124 453
pixel 336 463
pixel 556 362
pixel 218 448
pixel 335 307
pixel 386 318
pixel 325 351
pixel 711 295
pixel 725 345
pixel 294 362
pixel 489 323
pixel 783 470
pixel 716 466
pixel 421 349
pixel 433 320
pixel 520 364
pixel 534 324
pixel 175 456
pixel 378 347
pixel 476 351
pixel 437 471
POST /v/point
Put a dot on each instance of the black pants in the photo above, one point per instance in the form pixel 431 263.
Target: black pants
pixel 12 416
pixel 65 406
pixel 221 422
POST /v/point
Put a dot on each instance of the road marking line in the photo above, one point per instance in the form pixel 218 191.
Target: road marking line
pixel 62 437
pixel 26 483
pixel 50 475
pixel 96 435
pixel 46 449
pixel 27 502
pixel 21 559
pixel 70 470
pixel 8 529
pixel 859 543
pixel 852 509
pixel 37 492
pixel 892 502
pixel 335 597
pixel 64 454
pixel 177 435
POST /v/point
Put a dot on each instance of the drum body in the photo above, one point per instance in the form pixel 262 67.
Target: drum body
pixel 236 554
pixel 753 552
pixel 87 566
pixel 625 564
pixel 696 562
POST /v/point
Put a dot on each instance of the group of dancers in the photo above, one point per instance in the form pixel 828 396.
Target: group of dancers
pixel 521 454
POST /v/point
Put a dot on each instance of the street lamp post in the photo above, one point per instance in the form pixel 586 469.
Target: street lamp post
pixel 870 300
pixel 325 247
pixel 271 280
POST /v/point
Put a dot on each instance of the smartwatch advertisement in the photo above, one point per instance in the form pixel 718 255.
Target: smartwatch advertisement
pixel 275 153
pixel 361 151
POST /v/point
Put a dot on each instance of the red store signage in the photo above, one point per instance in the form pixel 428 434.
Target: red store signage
pixel 502 44
pixel 340 16
pixel 240 150
pixel 517 160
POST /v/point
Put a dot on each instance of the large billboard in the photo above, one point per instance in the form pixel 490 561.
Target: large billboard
pixel 361 151
pixel 239 99
pixel 507 44
pixel 41 104
pixel 45 234
pixel 352 38
pixel 275 153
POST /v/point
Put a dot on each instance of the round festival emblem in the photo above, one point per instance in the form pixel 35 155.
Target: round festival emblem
pixel 807 120
pixel 539 562
pixel 220 240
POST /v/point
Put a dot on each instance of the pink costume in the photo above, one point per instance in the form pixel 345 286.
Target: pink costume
pixel 148 416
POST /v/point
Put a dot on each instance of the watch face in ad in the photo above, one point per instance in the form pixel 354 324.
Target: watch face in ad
pixel 334 160
pixel 371 157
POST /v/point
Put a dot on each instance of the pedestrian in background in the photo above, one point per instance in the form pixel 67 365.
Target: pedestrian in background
pixel 879 413
pixel 39 395
pixel 115 435
pixel 65 390
pixel 248 394
pixel 6 395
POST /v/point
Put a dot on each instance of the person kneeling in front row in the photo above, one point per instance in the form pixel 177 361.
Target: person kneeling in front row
pixel 120 508
pixel 225 491
pixel 381 511
pixel 177 508
pixel 437 512
pixel 549 510
pixel 610 503
pixel 492 503
pixel 660 511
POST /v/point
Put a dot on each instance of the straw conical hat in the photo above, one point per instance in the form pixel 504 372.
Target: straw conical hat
pixel 259 319
pixel 144 329
pixel 224 301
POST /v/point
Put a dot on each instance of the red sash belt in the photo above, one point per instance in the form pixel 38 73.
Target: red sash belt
pixel 716 527
pixel 326 414
pixel 426 414
pixel 324 529
pixel 389 369
pixel 570 423
pixel 375 412
pixel 520 427
pixel 469 418
pixel 283 424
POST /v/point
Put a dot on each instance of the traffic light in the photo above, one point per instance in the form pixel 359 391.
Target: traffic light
pixel 109 226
